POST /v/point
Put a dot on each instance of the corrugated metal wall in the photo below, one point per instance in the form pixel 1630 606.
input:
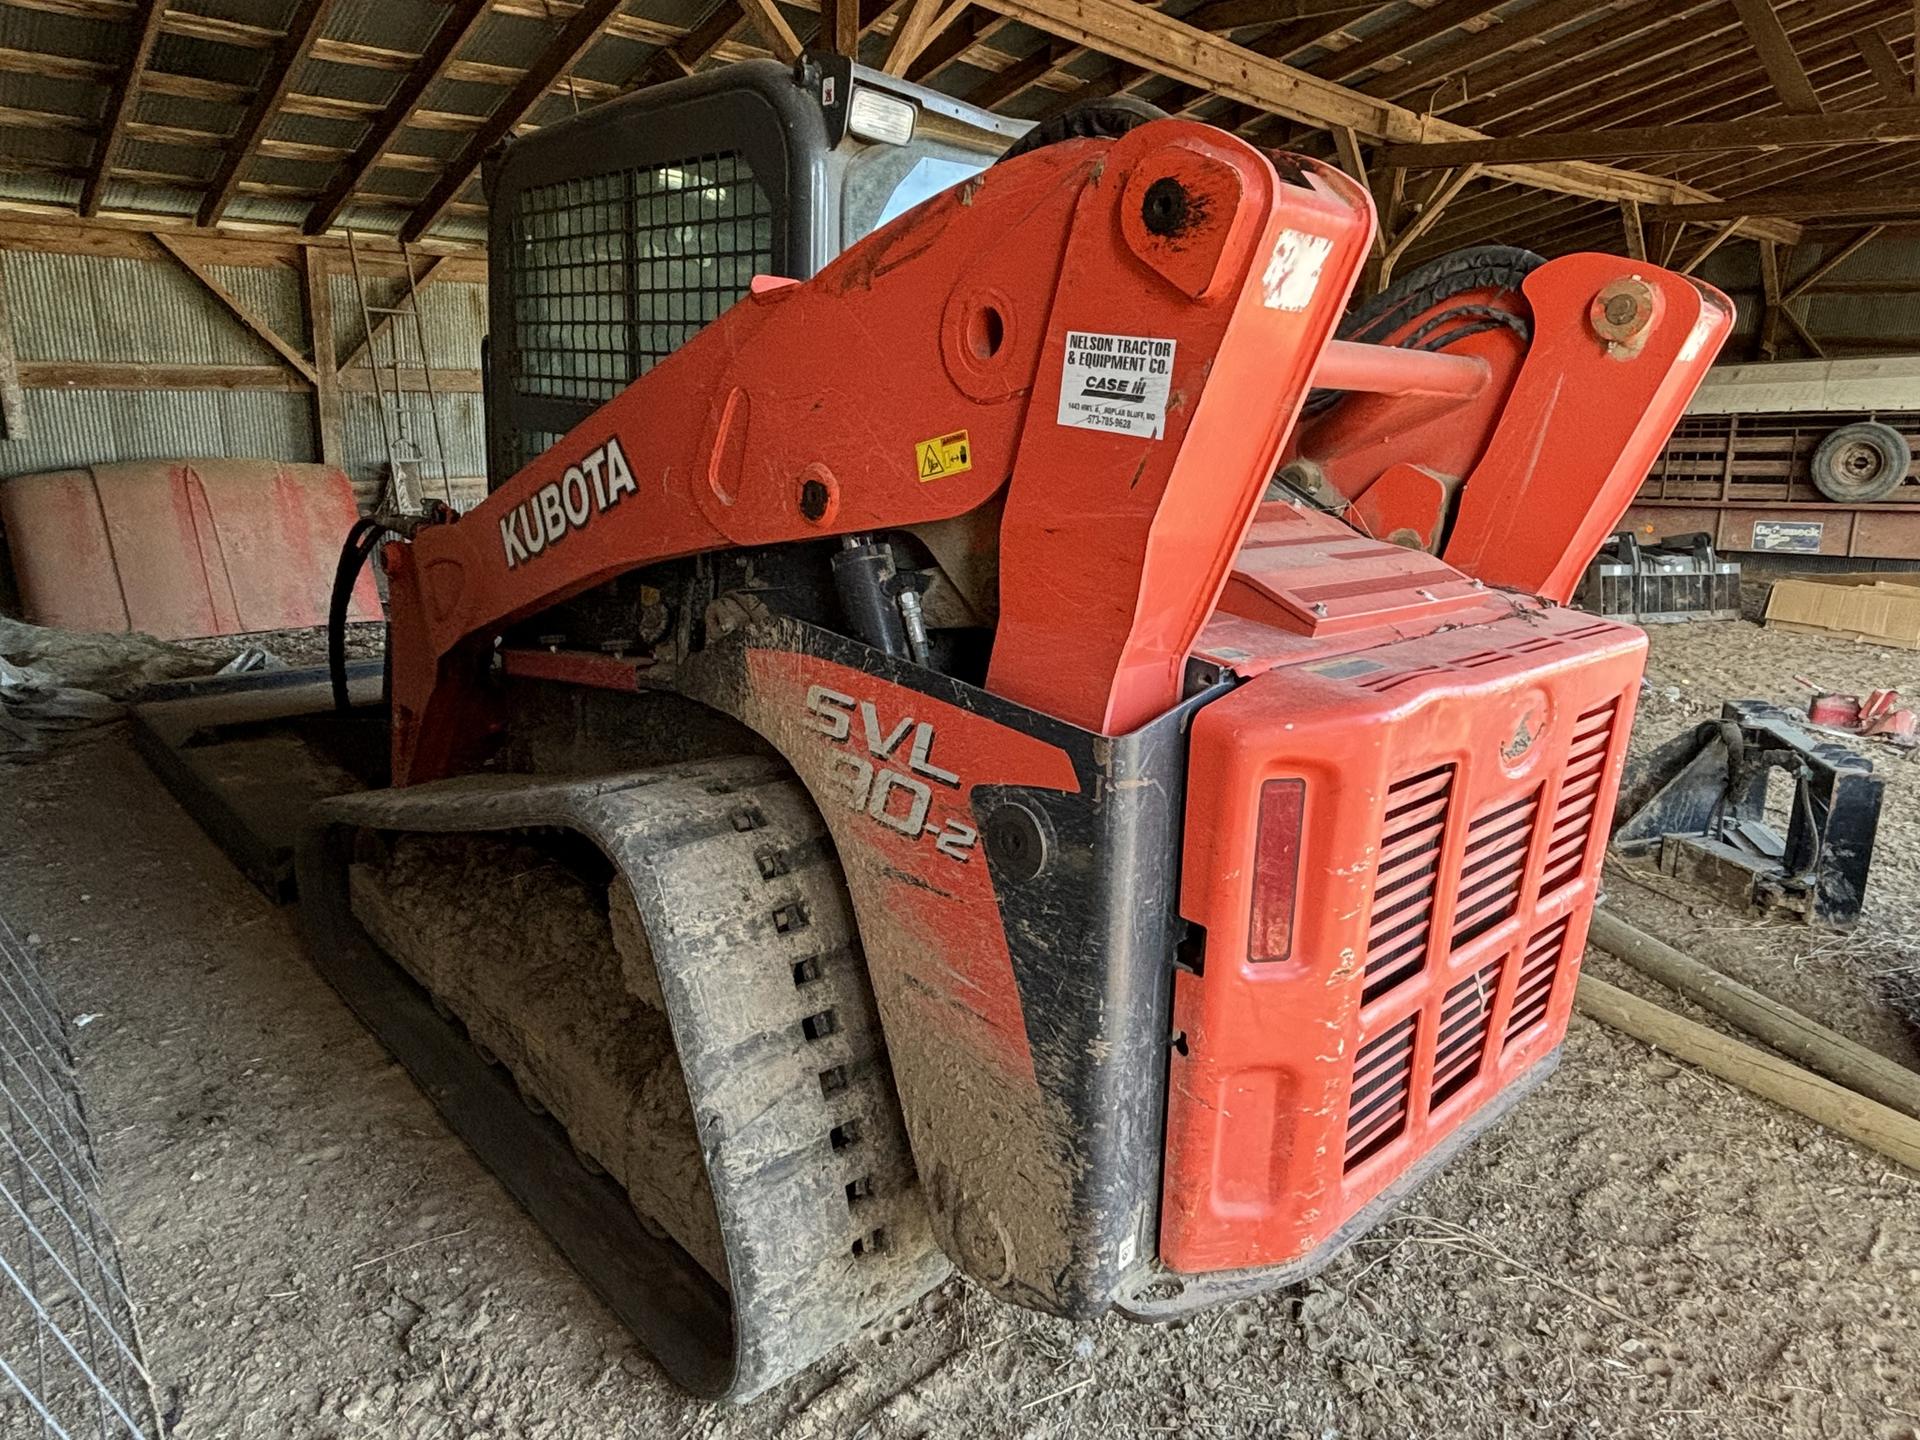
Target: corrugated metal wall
pixel 109 309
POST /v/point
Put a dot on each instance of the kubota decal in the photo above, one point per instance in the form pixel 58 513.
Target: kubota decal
pixel 597 483
pixel 889 782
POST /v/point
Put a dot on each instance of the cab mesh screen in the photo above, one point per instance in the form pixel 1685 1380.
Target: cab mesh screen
pixel 609 274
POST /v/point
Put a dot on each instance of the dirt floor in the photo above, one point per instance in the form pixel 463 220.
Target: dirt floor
pixel 1640 1251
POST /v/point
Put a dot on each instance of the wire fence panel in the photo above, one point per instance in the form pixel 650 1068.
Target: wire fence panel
pixel 70 1361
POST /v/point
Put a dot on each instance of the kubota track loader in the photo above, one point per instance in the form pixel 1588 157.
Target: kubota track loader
pixel 1031 745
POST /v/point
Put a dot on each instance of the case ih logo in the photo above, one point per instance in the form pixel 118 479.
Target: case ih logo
pixel 1113 387
pixel 594 485
pixel 885 783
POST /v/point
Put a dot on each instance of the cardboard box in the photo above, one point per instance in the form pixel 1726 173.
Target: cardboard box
pixel 1880 608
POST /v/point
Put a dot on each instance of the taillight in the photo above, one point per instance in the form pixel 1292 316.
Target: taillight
pixel 1276 869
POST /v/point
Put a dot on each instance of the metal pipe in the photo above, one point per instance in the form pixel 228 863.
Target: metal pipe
pixel 1384 370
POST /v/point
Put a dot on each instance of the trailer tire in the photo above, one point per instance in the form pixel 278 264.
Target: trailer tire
pixel 1862 462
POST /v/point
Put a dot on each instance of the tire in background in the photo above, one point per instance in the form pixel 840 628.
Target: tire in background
pixel 1862 462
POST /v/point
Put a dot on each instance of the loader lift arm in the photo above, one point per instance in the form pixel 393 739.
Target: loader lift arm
pixel 1212 274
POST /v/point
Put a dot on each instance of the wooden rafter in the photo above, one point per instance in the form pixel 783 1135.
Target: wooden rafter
pixel 695 48
pixel 456 27
pixel 774 30
pixel 952 43
pixel 146 29
pixel 1777 55
pixel 1797 203
pixel 1881 64
pixel 920 23
pixel 309 18
pixel 1416 29
pixel 1140 35
pixel 1766 133
pixel 1472 48
pixel 576 37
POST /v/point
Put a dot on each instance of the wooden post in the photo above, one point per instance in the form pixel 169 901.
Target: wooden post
pixel 329 411
pixel 1636 236
pixel 1761 1016
pixel 1875 1125
pixel 13 400
pixel 1769 333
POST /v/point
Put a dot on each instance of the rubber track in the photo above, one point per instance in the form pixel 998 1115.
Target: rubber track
pixel 753 939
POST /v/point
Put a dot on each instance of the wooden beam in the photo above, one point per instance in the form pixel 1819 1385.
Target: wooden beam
pixel 1768 335
pixel 413 381
pixel 1444 191
pixel 276 80
pixel 1833 262
pixel 840 27
pixel 922 21
pixel 456 27
pixel 1887 71
pixel 1795 324
pixel 952 43
pixel 1416 29
pixel 13 403
pixel 775 32
pixel 691 51
pixel 1777 55
pixel 138 375
pixel 145 30
pixel 576 37
pixel 1713 243
pixel 1817 203
pixel 1636 235
pixel 329 412
pixel 1470 49
pixel 1855 127
pixel 92 375
pixel 262 331
pixel 1142 36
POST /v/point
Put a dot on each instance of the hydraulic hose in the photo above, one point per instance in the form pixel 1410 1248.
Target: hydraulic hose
pixel 360 544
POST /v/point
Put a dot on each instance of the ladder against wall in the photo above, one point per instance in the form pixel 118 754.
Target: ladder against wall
pixel 416 454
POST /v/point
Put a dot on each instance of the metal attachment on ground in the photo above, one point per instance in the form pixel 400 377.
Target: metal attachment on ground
pixel 1698 806
pixel 1678 578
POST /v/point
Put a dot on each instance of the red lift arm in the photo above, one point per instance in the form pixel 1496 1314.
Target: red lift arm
pixel 1177 270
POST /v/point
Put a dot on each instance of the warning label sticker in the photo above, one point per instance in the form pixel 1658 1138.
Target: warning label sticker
pixel 1116 382
pixel 943 455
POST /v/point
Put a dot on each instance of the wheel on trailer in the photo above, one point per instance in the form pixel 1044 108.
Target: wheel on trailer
pixel 1861 462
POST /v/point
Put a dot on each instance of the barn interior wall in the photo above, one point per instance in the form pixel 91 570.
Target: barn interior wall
pixel 129 355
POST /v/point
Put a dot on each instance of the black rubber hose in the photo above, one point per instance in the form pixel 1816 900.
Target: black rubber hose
pixel 1106 118
pixel 361 541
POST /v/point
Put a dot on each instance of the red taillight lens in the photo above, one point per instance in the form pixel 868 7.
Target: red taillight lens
pixel 1276 869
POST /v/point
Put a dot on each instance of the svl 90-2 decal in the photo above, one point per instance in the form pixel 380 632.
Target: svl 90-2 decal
pixel 885 783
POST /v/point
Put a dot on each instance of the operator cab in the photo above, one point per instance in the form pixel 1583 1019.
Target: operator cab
pixel 617 234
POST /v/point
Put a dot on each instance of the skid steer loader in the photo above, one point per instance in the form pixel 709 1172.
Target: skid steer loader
pixel 987 721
